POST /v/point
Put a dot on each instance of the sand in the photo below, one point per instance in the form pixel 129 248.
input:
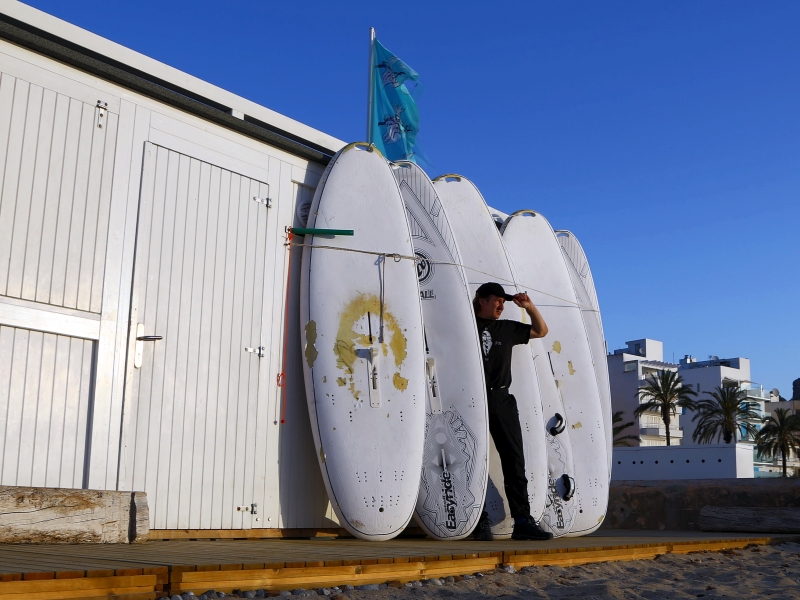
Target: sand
pixel 755 572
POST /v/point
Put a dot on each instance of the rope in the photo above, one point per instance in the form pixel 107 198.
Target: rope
pixel 382 260
pixel 398 257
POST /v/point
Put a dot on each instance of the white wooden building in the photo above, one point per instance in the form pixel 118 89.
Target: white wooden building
pixel 136 201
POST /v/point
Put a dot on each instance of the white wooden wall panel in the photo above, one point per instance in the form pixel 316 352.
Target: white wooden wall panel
pixel 199 421
pixel 110 379
pixel 199 283
pixel 55 178
pixel 45 401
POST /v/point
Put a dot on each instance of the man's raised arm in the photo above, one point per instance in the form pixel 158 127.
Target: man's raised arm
pixel 538 326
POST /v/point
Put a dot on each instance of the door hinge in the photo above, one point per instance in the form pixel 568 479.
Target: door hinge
pixel 102 109
pixel 252 509
pixel 265 201
pixel 259 351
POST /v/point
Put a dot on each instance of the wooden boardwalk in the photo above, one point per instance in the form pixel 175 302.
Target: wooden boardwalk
pixel 153 569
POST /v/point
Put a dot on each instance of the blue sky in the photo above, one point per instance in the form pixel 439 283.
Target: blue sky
pixel 666 135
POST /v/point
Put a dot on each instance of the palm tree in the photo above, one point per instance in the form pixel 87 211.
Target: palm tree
pixel 723 415
pixel 780 434
pixel 664 392
pixel 624 440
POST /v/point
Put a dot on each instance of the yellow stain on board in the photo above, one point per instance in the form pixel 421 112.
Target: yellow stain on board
pixel 348 340
pixel 577 425
pixel 340 381
pixel 356 393
pixel 401 383
pixel 557 346
pixel 324 379
pixel 311 339
pixel 572 370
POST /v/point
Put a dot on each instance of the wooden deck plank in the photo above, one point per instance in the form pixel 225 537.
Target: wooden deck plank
pixel 84 585
pixel 15 559
pixel 137 593
pixel 286 564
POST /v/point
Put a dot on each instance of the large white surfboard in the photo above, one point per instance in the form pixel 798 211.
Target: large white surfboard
pixel 543 272
pixel 583 283
pixel 455 462
pixel 562 505
pixel 361 330
pixel 485 259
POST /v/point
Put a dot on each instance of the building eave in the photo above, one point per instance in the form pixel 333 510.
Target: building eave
pixel 26 26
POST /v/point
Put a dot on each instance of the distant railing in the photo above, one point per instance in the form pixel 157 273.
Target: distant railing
pixel 759 393
pixel 646 429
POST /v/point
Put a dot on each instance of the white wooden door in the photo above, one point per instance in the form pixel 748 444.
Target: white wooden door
pixel 199 284
pixel 57 151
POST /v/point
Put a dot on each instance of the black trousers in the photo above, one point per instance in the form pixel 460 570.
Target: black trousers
pixel 507 435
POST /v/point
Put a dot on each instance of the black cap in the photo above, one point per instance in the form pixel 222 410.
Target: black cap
pixel 492 289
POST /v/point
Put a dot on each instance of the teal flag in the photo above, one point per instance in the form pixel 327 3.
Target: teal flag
pixel 395 118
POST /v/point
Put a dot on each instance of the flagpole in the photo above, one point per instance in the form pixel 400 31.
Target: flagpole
pixel 370 81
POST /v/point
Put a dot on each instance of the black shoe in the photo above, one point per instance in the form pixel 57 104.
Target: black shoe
pixel 483 530
pixel 529 530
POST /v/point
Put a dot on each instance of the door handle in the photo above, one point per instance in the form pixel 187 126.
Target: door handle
pixel 141 338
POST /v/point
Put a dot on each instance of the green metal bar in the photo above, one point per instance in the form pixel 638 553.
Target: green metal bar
pixel 309 231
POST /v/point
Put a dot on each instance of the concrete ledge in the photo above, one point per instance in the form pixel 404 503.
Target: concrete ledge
pixel 751 520
pixel 31 515
pixel 675 505
pixel 704 463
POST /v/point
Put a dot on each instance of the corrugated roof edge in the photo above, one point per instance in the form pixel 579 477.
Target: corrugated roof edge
pixel 29 27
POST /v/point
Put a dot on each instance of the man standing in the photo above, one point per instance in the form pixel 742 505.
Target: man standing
pixel 498 337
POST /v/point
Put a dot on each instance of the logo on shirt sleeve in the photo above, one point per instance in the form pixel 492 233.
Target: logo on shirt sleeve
pixel 486 342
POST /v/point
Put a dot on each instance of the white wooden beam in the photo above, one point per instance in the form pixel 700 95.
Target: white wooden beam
pixel 27 317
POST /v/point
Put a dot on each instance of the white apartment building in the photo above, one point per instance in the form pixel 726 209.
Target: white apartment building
pixel 629 367
pixel 707 375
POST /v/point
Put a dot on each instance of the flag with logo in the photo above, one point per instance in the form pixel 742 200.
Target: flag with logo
pixel 394 118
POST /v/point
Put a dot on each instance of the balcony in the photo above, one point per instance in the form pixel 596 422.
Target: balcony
pixel 660 431
pixel 756 393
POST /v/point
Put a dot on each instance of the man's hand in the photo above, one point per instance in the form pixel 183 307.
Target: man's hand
pixel 538 326
pixel 523 301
